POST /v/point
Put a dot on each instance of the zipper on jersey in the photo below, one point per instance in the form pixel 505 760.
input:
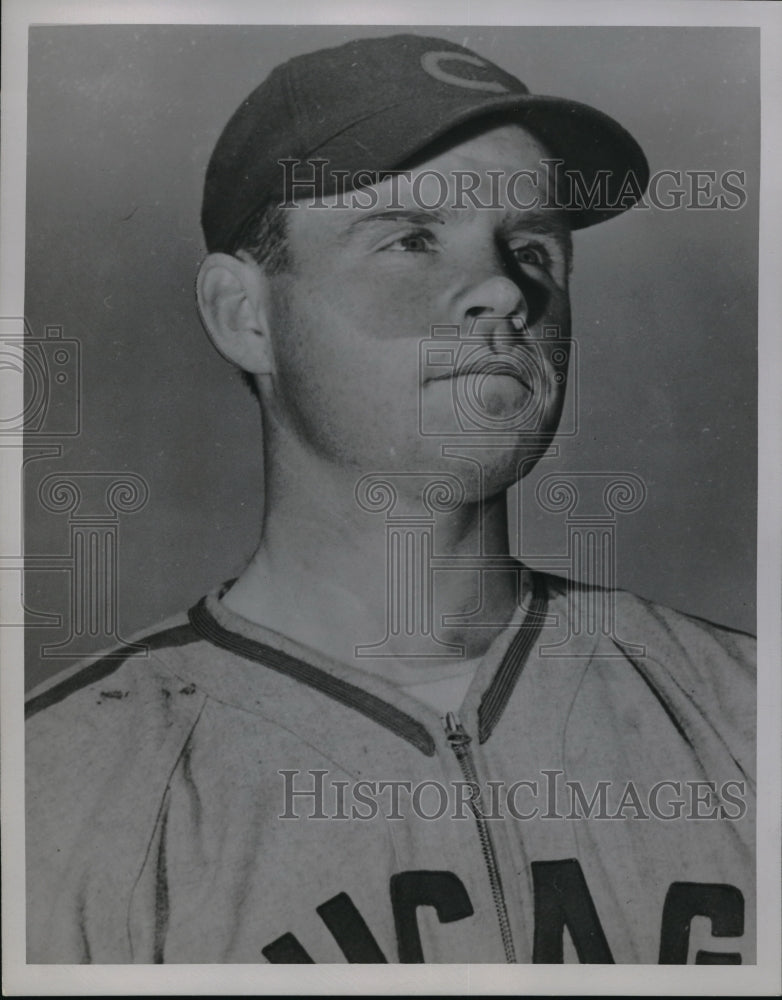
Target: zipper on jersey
pixel 460 741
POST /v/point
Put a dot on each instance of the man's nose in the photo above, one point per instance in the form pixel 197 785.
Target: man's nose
pixel 498 303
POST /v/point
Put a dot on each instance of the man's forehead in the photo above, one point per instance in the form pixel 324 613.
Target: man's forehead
pixel 501 169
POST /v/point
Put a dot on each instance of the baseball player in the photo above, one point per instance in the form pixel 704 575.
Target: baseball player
pixel 387 740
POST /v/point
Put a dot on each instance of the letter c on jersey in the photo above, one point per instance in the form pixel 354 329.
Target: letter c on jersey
pixel 431 63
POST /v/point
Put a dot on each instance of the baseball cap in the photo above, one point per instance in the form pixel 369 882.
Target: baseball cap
pixel 372 104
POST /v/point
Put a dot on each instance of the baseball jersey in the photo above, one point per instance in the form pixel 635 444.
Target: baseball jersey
pixel 225 794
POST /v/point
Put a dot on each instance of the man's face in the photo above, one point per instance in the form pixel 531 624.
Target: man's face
pixel 399 330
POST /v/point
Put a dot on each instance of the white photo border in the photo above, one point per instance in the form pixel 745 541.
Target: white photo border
pixel 20 979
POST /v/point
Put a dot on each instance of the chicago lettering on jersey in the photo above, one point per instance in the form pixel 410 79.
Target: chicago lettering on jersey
pixel 562 901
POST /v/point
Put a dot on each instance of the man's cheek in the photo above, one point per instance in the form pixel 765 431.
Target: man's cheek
pixel 558 312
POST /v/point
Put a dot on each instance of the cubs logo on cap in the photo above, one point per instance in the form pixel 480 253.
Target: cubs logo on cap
pixel 371 104
pixel 436 65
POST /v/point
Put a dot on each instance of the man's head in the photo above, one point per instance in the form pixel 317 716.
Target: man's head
pixel 374 104
pixel 379 311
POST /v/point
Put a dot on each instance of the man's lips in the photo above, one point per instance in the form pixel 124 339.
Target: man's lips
pixel 486 367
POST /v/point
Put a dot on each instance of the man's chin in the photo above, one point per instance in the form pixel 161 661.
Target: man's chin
pixel 485 464
pixel 497 397
pixel 503 467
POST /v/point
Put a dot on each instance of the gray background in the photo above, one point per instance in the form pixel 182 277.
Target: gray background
pixel 121 124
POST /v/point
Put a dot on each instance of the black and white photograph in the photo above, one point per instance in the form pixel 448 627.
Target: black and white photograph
pixel 397 501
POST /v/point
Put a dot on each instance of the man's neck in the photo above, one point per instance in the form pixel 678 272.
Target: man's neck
pixel 358 567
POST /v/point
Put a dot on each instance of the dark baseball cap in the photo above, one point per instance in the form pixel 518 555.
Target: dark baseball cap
pixel 373 104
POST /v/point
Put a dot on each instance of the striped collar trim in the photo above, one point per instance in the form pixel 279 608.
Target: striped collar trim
pixel 491 707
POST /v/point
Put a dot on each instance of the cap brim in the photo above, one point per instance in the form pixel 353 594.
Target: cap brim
pixel 585 139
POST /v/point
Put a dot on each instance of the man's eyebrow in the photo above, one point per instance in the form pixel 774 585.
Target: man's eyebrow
pixel 543 221
pixel 414 215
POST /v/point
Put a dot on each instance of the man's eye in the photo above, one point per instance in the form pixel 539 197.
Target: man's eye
pixel 418 242
pixel 534 254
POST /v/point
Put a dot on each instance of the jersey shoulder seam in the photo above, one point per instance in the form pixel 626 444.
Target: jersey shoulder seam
pixel 59 688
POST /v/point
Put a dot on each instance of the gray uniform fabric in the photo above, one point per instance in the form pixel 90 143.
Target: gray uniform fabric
pixel 155 796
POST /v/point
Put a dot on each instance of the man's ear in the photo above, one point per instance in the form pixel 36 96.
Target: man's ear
pixel 232 300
